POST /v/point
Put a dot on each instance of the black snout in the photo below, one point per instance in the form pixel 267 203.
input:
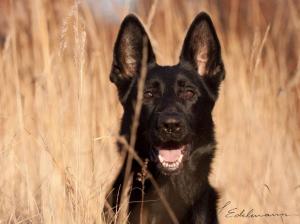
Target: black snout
pixel 171 126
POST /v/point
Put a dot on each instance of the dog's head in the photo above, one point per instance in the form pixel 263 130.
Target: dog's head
pixel 178 100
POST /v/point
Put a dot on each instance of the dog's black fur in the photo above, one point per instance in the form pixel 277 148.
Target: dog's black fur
pixel 176 115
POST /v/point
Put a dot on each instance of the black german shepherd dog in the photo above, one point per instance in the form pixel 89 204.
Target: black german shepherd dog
pixel 176 130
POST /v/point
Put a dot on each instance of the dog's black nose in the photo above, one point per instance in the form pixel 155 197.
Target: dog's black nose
pixel 170 125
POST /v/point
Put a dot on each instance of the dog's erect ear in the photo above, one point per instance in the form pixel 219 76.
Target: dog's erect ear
pixel 128 52
pixel 201 48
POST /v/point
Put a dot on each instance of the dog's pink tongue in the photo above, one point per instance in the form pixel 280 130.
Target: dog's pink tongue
pixel 170 155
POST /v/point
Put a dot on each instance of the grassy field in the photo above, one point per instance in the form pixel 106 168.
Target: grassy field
pixel 59 114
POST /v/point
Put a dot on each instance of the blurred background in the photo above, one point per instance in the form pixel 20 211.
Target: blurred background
pixel 59 114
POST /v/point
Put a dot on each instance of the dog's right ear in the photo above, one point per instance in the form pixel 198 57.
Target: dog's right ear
pixel 201 48
pixel 128 53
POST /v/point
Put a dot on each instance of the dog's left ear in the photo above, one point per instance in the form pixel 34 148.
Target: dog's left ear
pixel 128 53
pixel 201 49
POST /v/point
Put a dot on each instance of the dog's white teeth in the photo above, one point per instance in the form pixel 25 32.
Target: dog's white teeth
pixel 180 158
pixel 171 165
pixel 161 159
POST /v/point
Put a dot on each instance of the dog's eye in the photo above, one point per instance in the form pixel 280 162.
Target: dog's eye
pixel 148 95
pixel 187 94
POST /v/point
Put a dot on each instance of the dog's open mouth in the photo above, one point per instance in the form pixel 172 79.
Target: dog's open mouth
pixel 171 159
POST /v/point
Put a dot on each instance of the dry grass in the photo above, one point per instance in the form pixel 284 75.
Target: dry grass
pixel 59 113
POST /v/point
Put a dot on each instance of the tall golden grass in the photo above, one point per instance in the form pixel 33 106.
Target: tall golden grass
pixel 59 114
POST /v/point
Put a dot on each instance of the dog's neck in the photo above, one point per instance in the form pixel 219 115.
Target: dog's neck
pixel 192 178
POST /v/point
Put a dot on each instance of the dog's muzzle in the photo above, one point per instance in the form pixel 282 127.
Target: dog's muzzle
pixel 171 142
